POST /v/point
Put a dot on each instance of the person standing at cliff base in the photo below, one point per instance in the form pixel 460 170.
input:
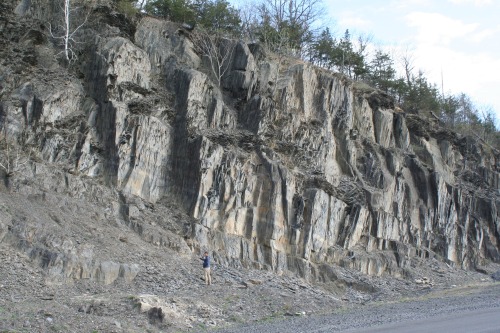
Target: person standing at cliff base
pixel 206 268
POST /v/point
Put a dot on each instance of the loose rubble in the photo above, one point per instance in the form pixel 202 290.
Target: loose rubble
pixel 167 292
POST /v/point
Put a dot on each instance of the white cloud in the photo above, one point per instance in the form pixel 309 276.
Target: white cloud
pixel 475 2
pixel 354 22
pixel 474 73
pixel 402 4
pixel 457 37
pixel 435 28
pixel 480 36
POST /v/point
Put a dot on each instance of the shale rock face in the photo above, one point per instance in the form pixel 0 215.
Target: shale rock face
pixel 285 166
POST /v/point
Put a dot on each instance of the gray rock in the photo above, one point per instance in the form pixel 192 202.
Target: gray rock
pixel 496 276
pixel 23 7
pixel 286 167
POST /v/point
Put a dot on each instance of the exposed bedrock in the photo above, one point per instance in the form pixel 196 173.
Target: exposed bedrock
pixel 284 166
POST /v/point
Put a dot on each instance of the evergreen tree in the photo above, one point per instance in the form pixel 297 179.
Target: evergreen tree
pixel 422 96
pixel 213 15
pixel 217 15
pixel 382 72
pixel 342 53
pixel 322 49
pixel 173 10
pixel 449 107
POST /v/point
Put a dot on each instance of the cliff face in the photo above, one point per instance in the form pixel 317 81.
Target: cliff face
pixel 284 166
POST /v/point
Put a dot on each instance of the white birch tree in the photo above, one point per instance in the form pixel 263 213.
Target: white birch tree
pixel 217 50
pixel 67 37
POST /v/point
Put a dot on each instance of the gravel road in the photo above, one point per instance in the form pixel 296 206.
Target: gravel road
pixel 370 317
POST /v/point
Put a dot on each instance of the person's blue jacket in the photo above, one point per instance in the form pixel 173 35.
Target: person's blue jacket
pixel 206 262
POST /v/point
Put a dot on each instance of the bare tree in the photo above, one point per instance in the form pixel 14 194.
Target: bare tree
pixel 5 150
pixel 408 63
pixel 249 22
pixel 68 33
pixel 301 13
pixel 295 18
pixel 216 49
pixel 364 40
pixel 12 157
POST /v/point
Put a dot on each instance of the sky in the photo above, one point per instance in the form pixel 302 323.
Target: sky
pixel 456 43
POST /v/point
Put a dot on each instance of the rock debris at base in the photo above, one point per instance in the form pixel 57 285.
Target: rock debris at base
pixel 448 302
pixel 168 293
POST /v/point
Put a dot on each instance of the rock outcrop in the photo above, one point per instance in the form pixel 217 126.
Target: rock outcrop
pixel 284 166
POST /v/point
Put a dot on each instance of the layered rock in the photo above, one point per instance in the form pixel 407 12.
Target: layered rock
pixel 285 166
